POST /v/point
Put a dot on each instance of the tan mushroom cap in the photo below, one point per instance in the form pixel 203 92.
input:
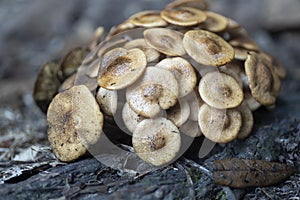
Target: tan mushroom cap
pixel 68 83
pixel 207 48
pixel 165 41
pixel 240 38
pixel 240 53
pixel 221 126
pixel 263 81
pixel 157 88
pixel 215 22
pixel 278 68
pixel 247 121
pixel 179 113
pixel 200 4
pixel 74 122
pixel 120 68
pixel 190 128
pixel 107 100
pixel 233 74
pixel 130 118
pixel 220 90
pixel 156 141
pixel 151 54
pixel 183 71
pixel 124 26
pixel 183 16
pixel 97 37
pixel 149 18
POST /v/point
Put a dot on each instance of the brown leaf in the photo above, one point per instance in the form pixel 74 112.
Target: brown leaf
pixel 241 173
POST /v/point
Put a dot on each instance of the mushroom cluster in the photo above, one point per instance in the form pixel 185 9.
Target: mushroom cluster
pixel 182 70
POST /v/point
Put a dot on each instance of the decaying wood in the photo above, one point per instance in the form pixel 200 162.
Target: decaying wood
pixel 241 173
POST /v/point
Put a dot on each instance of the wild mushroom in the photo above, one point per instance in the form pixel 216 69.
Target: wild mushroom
pixel 121 67
pixel 68 83
pixel 207 48
pixel 220 90
pixel 156 141
pixel 74 122
pixel 215 22
pixel 149 18
pixel 263 81
pixel 247 121
pixel 251 102
pixel 200 4
pixel 278 68
pixel 190 128
pixel 166 41
pixel 156 89
pixel 130 118
pixel 183 72
pixel 219 125
pixel 107 100
pixel 195 102
pixel 179 113
pixel 183 16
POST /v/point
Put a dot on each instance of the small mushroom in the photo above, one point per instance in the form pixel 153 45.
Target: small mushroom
pixel 151 54
pixel 190 128
pixel 263 81
pixel 195 102
pixel 179 113
pixel 207 48
pixel 278 68
pixel 74 122
pixel 121 67
pixel 157 88
pixel 68 83
pixel 124 26
pixel 183 72
pixel 215 22
pixel 165 41
pixel 233 73
pixel 240 38
pixel 130 118
pixel 221 126
pixel 183 16
pixel 220 90
pixel 247 121
pixel 156 141
pixel 108 101
pixel 200 4
pixel 98 35
pixel 149 18
pixel 240 53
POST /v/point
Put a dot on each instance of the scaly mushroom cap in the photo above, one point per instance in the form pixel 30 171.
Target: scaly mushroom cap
pixel 156 141
pixel 200 4
pixel 221 126
pixel 247 121
pixel 165 41
pixel 157 88
pixel 220 90
pixel 120 68
pixel 215 22
pixel 149 18
pixel 74 122
pixel 263 81
pixel 207 48
pixel 183 71
pixel 190 128
pixel 183 16
pixel 108 101
pixel 179 113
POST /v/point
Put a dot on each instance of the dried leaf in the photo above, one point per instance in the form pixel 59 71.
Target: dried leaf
pixel 241 173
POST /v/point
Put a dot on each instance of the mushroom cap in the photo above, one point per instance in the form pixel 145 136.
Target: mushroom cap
pixel 157 88
pixel 247 121
pixel 108 101
pixel 207 48
pixel 68 83
pixel 240 53
pixel 263 81
pixel 233 73
pixel 183 72
pixel 179 113
pixel 74 122
pixel 220 90
pixel 124 26
pixel 200 4
pixel 165 41
pixel 121 67
pixel 97 37
pixel 156 141
pixel 219 125
pixel 130 118
pixel 151 54
pixel 190 128
pixel 149 18
pixel 215 22
pixel 278 68
pixel 183 16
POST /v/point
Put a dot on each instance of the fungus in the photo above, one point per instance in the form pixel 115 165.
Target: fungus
pixel 179 113
pixel 215 22
pixel 149 18
pixel 190 128
pixel 200 4
pixel 108 101
pixel 247 121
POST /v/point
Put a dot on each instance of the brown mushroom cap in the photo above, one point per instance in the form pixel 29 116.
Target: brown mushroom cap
pixel 190 128
pixel 149 18
pixel 220 90
pixel 179 113
pixel 74 122
pixel 183 71
pixel 183 16
pixel 200 4
pixel 120 68
pixel 68 83
pixel 263 81
pixel 240 53
pixel 151 54
pixel 157 88
pixel 165 41
pixel 124 26
pixel 247 121
pixel 215 22
pixel 107 100
pixel 156 141
pixel 207 48
pixel 221 126
pixel 278 68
